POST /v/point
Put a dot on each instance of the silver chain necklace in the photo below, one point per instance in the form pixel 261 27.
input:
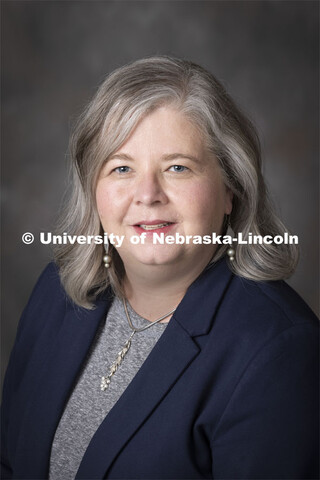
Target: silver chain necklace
pixel 105 380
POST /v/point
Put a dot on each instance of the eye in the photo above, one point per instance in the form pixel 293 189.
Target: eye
pixel 178 168
pixel 121 170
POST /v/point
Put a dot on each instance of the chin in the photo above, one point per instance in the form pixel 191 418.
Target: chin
pixel 159 256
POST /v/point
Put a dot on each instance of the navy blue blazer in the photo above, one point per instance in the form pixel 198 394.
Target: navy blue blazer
pixel 228 392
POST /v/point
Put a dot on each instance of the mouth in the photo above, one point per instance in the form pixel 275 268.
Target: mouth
pixel 155 226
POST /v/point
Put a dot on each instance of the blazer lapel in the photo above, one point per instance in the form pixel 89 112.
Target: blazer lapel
pixel 60 367
pixel 170 357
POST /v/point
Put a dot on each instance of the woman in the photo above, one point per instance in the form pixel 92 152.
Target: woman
pixel 164 360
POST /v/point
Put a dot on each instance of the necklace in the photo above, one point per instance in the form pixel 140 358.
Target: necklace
pixel 105 380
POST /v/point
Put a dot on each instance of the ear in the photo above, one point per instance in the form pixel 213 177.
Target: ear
pixel 228 201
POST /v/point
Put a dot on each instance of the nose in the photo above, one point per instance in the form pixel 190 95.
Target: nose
pixel 149 191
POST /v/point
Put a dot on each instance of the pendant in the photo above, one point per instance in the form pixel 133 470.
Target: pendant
pixel 105 381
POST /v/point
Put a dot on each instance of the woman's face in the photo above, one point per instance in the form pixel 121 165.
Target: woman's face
pixel 162 179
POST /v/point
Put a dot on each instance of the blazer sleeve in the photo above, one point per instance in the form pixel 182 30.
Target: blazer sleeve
pixel 28 331
pixel 269 428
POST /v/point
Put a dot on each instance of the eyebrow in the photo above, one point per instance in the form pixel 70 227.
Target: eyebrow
pixel 168 157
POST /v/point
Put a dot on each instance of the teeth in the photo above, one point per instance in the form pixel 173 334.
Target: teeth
pixel 154 227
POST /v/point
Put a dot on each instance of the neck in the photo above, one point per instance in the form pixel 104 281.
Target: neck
pixel 154 291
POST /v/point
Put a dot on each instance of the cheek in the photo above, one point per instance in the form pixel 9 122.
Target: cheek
pixel 207 201
pixel 110 199
pixel 103 201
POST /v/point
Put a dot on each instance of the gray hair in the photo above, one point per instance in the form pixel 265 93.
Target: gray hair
pixel 123 99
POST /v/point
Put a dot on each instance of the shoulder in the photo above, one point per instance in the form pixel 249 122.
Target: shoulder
pixel 269 320
pixel 48 283
pixel 261 320
pixel 47 300
pixel 241 310
pixel 49 307
pixel 270 302
pixel 49 277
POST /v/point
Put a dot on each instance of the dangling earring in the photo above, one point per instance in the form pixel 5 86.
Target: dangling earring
pixel 231 251
pixel 107 259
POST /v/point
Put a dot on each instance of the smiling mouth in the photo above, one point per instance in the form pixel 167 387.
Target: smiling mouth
pixel 154 227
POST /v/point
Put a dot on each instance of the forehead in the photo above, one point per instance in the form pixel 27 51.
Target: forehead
pixel 165 128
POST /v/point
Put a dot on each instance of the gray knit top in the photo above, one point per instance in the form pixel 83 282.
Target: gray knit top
pixel 88 405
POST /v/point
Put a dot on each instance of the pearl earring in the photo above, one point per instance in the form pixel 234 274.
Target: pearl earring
pixel 107 258
pixel 231 251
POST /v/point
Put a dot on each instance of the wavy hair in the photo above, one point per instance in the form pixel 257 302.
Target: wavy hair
pixel 123 99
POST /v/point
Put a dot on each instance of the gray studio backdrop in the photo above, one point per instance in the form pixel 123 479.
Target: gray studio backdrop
pixel 55 54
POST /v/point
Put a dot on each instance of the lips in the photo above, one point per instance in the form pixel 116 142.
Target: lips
pixel 153 226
